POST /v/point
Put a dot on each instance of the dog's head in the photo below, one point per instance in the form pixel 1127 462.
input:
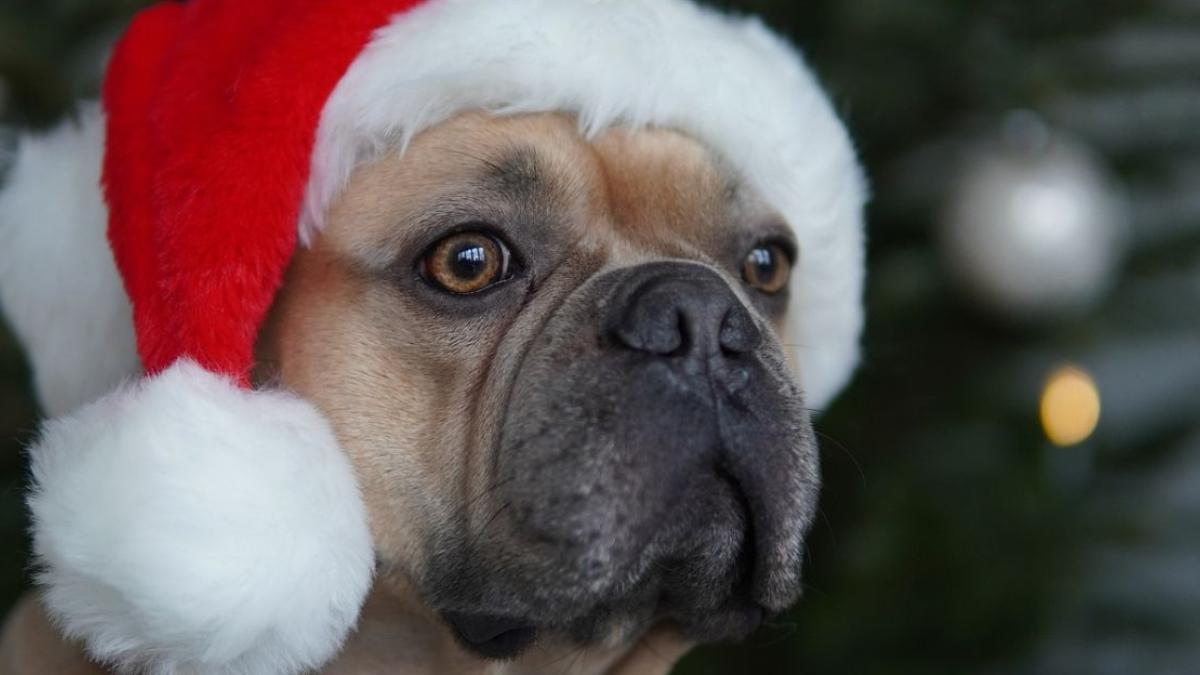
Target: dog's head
pixel 546 260
pixel 558 365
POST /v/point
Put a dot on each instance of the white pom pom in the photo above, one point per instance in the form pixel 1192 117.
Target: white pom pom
pixel 184 525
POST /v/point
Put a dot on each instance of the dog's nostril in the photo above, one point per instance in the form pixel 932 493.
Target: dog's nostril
pixel 738 333
pixel 664 333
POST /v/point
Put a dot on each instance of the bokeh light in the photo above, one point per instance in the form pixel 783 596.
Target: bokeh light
pixel 1070 406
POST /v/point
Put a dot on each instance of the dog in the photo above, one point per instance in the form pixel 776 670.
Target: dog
pixel 562 367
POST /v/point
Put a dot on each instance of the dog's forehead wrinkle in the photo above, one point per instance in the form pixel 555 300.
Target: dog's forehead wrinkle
pixel 665 193
pixel 518 170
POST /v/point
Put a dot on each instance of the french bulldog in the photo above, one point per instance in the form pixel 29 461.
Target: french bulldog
pixel 427 336
pixel 558 366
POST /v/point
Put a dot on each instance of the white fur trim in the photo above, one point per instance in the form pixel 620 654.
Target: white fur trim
pixel 58 284
pixel 183 525
pixel 727 81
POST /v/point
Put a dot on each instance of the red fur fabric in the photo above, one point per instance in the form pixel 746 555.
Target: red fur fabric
pixel 212 110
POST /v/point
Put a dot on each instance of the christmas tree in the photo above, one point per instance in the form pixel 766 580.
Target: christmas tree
pixel 1012 484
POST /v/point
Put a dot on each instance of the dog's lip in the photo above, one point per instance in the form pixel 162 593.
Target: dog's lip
pixel 491 636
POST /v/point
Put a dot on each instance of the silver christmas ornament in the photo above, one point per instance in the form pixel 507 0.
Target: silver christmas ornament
pixel 1034 228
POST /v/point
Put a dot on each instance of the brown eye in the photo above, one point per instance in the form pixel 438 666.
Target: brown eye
pixel 466 263
pixel 767 268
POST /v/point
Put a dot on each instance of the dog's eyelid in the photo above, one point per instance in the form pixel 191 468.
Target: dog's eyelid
pixel 790 248
pixel 435 233
pixel 781 235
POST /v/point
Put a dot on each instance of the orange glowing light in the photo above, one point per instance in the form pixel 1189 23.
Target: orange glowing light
pixel 1070 406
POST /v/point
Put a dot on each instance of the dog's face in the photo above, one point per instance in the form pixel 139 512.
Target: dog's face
pixel 557 365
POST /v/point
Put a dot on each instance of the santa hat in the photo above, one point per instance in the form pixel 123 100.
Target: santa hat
pixel 187 522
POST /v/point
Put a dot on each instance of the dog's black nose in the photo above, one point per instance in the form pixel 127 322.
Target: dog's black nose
pixel 680 310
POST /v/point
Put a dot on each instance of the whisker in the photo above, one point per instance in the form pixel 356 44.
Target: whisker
pixel 573 654
pixel 828 526
pixel 489 490
pixel 655 653
pixel 488 523
pixel 838 444
pixel 577 661
pixel 784 629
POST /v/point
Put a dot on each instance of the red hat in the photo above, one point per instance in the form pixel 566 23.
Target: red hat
pixel 189 523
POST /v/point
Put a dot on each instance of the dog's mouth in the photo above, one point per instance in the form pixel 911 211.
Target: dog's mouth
pixel 494 637
pixel 506 638
pixel 712 556
pixel 704 590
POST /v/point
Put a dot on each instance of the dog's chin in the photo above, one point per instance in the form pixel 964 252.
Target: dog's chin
pixel 505 638
pixel 500 637
pixel 696 577
pixel 699 556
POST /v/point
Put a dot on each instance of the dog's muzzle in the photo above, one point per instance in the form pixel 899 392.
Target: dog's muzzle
pixel 656 464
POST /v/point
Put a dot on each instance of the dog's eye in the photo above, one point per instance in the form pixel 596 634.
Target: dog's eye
pixel 767 268
pixel 466 263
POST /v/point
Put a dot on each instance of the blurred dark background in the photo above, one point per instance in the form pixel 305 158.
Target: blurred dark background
pixel 1034 259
